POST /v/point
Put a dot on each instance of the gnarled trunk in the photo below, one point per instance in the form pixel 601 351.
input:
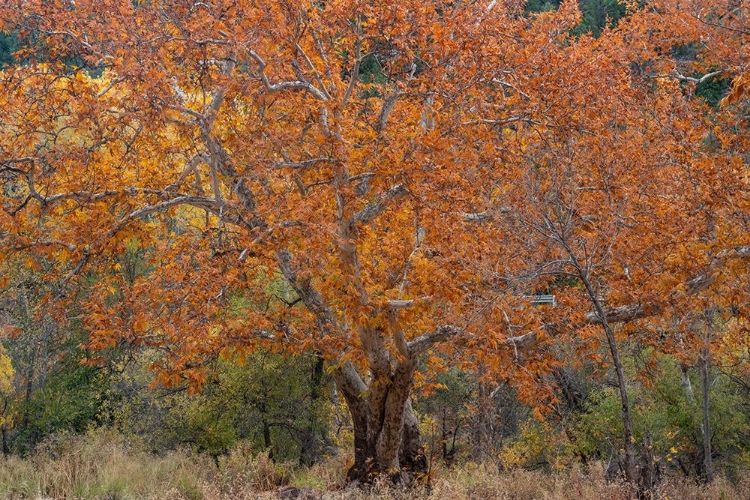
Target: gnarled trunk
pixel 386 431
pixel 387 441
pixel 403 463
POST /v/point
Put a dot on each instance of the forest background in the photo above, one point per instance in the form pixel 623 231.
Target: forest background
pixel 635 372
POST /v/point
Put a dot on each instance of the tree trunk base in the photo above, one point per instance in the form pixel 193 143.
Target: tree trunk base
pixel 411 471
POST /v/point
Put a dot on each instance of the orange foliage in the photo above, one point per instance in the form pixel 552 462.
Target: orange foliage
pixel 410 171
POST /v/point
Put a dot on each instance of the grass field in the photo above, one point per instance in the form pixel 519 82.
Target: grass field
pixel 102 465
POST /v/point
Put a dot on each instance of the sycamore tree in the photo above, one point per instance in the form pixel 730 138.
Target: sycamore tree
pixel 630 196
pixel 354 178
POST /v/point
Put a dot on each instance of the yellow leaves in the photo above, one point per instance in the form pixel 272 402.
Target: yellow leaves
pixel 31 263
pixel 672 451
pixel 536 440
pixel 6 372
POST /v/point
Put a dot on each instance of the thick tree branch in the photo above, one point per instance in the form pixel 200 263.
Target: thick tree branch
pixel 204 203
pixel 622 314
pixel 303 164
pixel 289 85
pixel 355 70
pixel 405 303
pixel 697 81
pixel 444 332
pixel 310 296
pixel 618 314
pixel 706 279
pixel 195 201
pixel 378 206
pixel 385 112
pixel 424 342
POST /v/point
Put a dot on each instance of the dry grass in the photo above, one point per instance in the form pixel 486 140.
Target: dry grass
pixel 101 465
pixel 472 482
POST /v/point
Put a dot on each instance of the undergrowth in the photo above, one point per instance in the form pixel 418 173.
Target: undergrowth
pixel 102 465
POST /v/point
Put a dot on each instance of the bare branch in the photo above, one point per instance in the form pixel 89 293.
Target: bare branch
pixel 704 280
pixel 82 262
pixel 444 332
pixel 450 332
pixel 263 334
pixel 264 235
pixel 196 201
pixel 305 163
pixel 505 121
pixel 403 304
pixel 46 243
pixel 355 70
pixel 720 26
pixel 291 85
pixel 388 104
pixel 485 216
pixel 315 71
pixel 110 86
pixel 190 168
pixel 10 161
pixel 691 79
pixel 378 206
pixel 311 297
pixel 476 216
pixel 621 314
pixel 510 85
pixel 526 340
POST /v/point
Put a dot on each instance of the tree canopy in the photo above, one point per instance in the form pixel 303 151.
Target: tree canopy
pixel 375 181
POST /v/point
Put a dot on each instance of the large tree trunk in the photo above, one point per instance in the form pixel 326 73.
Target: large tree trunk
pixel 412 457
pixel 387 440
pixel 386 431
pixel 403 463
